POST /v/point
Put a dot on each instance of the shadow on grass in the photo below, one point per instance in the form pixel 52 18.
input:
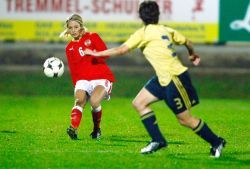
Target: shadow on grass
pixel 136 140
pixel 225 159
pixel 113 145
pixel 234 158
pixel 119 139
pixel 8 132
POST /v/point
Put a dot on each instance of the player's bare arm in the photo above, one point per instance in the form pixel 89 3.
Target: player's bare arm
pixel 111 52
pixel 193 57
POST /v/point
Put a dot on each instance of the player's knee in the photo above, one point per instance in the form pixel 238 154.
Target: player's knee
pixel 134 104
pixel 79 102
pixel 80 98
pixel 94 102
pixel 182 122
pixel 188 122
pixel 138 105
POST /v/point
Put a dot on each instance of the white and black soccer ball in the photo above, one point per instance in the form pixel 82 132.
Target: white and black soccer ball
pixel 53 67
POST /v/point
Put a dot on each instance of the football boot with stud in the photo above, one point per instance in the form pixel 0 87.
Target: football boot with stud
pixel 96 134
pixel 217 150
pixel 72 132
pixel 153 146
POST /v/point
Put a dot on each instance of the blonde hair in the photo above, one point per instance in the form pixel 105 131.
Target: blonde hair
pixel 73 17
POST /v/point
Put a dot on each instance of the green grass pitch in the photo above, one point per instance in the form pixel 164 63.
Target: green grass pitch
pixel 35 110
pixel 33 135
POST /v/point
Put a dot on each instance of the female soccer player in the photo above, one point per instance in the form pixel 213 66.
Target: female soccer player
pixel 90 75
pixel 171 83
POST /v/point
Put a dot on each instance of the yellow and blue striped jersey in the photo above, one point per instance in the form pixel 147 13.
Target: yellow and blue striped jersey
pixel 157 44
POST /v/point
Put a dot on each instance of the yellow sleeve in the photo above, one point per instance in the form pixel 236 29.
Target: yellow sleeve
pixel 178 38
pixel 134 40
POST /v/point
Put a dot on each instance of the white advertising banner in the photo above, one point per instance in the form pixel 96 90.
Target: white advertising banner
pixel 114 20
pixel 203 11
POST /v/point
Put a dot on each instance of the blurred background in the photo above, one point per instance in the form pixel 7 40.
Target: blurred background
pixel 219 29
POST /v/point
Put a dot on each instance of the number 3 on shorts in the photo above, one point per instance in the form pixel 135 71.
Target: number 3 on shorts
pixel 178 103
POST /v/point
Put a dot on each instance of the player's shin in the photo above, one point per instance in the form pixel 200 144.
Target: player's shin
pixel 151 125
pixel 97 116
pixel 76 116
pixel 206 133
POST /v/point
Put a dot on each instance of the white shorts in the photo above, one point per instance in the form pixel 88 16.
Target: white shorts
pixel 89 86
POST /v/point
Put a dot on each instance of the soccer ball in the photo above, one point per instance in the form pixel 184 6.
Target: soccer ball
pixel 53 67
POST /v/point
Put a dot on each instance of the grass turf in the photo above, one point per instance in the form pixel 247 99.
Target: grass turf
pixel 34 115
pixel 33 135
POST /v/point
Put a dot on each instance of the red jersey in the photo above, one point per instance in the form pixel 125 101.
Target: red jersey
pixel 85 67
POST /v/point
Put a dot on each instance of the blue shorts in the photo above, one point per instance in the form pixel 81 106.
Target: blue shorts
pixel 179 94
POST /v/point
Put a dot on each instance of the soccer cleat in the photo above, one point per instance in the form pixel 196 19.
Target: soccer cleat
pixel 72 132
pixel 96 134
pixel 217 150
pixel 153 147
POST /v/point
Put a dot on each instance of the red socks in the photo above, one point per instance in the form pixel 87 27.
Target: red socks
pixel 76 116
pixel 97 116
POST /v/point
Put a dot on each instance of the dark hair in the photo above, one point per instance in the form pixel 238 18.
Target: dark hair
pixel 149 12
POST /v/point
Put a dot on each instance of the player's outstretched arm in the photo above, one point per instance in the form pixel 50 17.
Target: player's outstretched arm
pixel 193 57
pixel 111 52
